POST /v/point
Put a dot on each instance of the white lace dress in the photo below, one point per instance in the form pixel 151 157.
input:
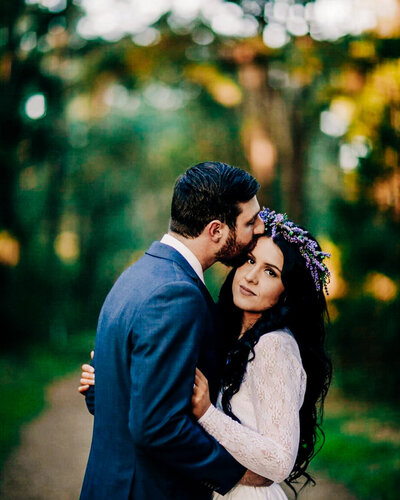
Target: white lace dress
pixel 267 404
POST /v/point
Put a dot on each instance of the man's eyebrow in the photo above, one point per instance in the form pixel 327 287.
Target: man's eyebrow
pixel 253 219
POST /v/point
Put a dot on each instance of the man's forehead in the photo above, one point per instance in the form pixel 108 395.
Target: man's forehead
pixel 250 208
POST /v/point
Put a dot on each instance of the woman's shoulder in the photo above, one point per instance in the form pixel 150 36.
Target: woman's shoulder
pixel 277 359
pixel 279 340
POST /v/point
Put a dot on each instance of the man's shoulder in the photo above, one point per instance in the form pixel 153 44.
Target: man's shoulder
pixel 151 276
pixel 136 294
pixel 154 272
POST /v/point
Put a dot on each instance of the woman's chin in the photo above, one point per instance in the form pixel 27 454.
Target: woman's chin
pixel 243 303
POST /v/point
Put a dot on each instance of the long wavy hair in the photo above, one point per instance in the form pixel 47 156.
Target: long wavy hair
pixel 302 309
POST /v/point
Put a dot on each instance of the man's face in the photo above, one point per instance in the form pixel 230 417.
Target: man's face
pixel 241 239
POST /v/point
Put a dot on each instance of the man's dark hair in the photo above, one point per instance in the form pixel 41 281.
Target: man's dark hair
pixel 208 191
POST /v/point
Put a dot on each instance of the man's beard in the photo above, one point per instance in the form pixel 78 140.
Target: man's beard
pixel 234 253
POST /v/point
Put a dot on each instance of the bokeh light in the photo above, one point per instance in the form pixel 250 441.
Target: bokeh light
pixel 381 287
pixel 275 36
pixel 35 106
pixel 9 249
pixel 66 246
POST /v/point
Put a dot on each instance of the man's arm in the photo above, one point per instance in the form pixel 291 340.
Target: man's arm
pixel 166 336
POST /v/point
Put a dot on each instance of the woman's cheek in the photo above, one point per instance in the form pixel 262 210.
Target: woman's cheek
pixel 278 293
pixel 237 298
pixel 237 277
pixel 270 297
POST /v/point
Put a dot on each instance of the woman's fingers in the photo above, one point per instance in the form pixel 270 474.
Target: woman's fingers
pixel 201 376
pixel 200 396
pixel 86 381
pixel 197 396
pixel 87 376
pixel 199 382
pixel 87 368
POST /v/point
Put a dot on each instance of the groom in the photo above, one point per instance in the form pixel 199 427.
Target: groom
pixel 157 324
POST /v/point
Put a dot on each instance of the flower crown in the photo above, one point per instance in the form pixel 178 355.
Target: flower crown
pixel 280 224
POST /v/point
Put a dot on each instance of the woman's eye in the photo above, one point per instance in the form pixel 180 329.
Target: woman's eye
pixel 270 272
pixel 250 261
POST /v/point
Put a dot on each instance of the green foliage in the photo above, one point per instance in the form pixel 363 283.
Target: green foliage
pixel 365 340
pixel 365 335
pixel 24 376
pixel 361 450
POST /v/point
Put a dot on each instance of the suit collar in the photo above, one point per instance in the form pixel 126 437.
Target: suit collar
pixel 162 251
pixel 185 251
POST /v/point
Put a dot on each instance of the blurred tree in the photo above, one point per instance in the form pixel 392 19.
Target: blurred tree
pixel 367 225
pixel 98 119
pixel 33 155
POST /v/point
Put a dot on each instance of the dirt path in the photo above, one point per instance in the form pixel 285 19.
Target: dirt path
pixel 50 462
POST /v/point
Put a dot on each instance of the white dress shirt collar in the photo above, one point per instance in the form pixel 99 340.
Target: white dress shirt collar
pixel 187 254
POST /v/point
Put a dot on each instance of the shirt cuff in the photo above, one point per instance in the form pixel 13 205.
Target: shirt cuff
pixel 210 410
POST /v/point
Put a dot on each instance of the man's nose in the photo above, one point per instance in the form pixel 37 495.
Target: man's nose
pixel 258 226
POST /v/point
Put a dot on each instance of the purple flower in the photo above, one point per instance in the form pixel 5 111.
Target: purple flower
pixel 280 224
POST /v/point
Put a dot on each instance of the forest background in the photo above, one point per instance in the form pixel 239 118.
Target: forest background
pixel 104 103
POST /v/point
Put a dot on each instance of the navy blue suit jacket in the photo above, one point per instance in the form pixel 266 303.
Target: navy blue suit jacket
pixel 157 324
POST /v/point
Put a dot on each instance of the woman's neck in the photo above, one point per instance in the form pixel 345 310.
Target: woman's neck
pixel 248 320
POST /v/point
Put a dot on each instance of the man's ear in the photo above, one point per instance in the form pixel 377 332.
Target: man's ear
pixel 216 230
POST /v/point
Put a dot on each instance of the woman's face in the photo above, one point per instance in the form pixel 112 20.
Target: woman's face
pixel 257 284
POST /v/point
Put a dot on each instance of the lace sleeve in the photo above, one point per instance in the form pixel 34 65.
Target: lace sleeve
pixel 276 382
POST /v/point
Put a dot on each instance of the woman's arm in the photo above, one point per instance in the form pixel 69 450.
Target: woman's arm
pixel 277 384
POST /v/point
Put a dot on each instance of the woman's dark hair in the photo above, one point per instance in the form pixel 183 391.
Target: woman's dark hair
pixel 208 191
pixel 302 309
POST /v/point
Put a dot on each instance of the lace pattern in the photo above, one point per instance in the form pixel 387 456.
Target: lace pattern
pixel 267 404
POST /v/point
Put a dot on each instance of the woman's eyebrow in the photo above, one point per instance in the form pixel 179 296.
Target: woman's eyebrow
pixel 272 265
pixel 265 263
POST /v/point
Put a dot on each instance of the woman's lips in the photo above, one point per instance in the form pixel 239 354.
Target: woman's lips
pixel 245 291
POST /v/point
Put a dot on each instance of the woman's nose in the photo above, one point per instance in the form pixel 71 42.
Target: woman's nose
pixel 251 276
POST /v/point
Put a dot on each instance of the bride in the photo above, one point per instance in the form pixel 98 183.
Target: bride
pixel 276 373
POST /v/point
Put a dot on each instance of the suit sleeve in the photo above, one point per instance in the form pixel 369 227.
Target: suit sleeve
pixel 89 399
pixel 166 335
pixel 90 395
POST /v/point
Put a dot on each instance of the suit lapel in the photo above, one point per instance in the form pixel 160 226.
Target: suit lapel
pixel 207 296
pixel 210 351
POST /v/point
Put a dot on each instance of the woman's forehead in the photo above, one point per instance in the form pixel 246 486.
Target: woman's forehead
pixel 268 251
